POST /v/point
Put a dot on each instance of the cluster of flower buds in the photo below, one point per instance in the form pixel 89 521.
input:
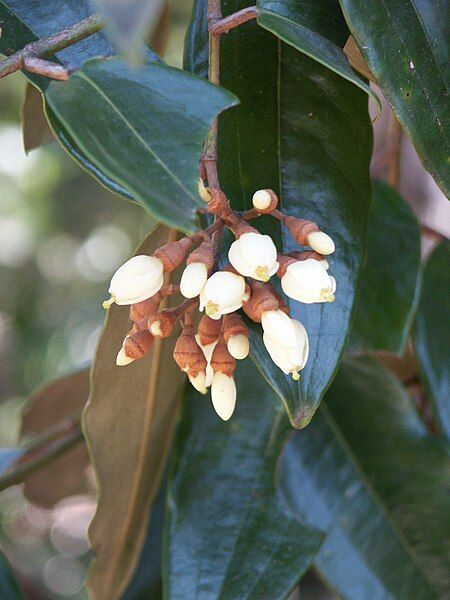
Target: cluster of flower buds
pixel 208 353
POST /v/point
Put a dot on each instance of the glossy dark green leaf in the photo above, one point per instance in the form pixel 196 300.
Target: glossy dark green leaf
pixel 405 45
pixel 369 474
pixel 9 588
pixel 144 128
pixel 303 131
pixel 227 536
pixel 390 281
pixel 431 336
pixel 317 29
pixel 25 22
pixel 129 22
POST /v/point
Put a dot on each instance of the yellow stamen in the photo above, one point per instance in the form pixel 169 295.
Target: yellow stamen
pixel 295 375
pixel 262 273
pixel 107 303
pixel 327 295
pixel 211 308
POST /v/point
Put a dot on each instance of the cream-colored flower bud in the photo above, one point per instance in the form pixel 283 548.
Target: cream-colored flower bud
pixel 261 199
pixel 222 294
pixel 290 360
pixel 193 279
pixel 238 346
pixel 254 255
pixel 321 242
pixel 223 395
pixel 202 191
pixel 279 326
pixel 307 281
pixel 199 382
pixel 123 359
pixel 136 280
pixel 208 350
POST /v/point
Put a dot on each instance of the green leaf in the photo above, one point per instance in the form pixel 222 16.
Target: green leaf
pixel 390 281
pixel 318 30
pixel 25 22
pixel 405 45
pixel 9 588
pixel 227 535
pixel 369 474
pixel 150 135
pixel 129 23
pixel 431 334
pixel 128 425
pixel 303 131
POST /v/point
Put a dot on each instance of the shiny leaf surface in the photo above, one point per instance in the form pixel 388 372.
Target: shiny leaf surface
pixel 128 424
pixel 431 337
pixel 303 131
pixel 150 135
pixel 390 281
pixel 227 535
pixel 405 45
pixel 319 30
pixel 369 474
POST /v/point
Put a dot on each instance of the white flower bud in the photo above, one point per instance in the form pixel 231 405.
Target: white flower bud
pixel 279 326
pixel 222 294
pixel 202 191
pixel 136 280
pixel 254 255
pixel 307 281
pixel 290 360
pixel 321 242
pixel 207 351
pixel 193 280
pixel 223 395
pixel 122 358
pixel 238 346
pixel 261 199
pixel 199 382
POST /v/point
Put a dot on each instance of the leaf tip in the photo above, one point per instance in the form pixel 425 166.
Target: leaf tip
pixel 301 418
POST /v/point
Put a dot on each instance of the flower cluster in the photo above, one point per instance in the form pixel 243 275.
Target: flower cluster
pixel 208 353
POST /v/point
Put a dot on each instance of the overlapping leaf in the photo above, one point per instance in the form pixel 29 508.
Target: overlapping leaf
pixel 431 334
pixel 150 135
pixel 227 536
pixel 405 44
pixel 390 281
pixel 369 474
pixel 303 131
pixel 128 425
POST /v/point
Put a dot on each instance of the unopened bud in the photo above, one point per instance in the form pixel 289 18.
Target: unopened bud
pixel 122 358
pixel 209 330
pixel 223 395
pixel 265 201
pixel 221 360
pixel 173 254
pixel 198 381
pixel 138 279
pixel 202 191
pixel 238 346
pixel 134 346
pixel 161 324
pixel 143 309
pixel 321 242
pixel 193 279
pixel 189 356
pixel 261 300
pixel 300 229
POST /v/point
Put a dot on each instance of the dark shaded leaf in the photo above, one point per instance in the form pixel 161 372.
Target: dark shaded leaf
pixel 129 23
pixel 318 30
pixel 66 474
pixel 369 474
pixel 303 131
pixel 9 588
pixel 390 281
pixel 405 45
pixel 431 337
pixel 128 424
pixel 150 135
pixel 227 536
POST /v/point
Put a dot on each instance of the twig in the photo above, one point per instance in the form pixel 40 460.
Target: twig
pixel 234 20
pixel 30 57
pixel 42 450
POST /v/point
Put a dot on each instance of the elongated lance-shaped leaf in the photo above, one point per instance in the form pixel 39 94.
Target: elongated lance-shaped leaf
pixel 227 536
pixel 390 282
pixel 369 474
pixel 317 29
pixel 26 22
pixel 128 424
pixel 304 131
pixel 431 336
pixel 405 45
pixel 150 135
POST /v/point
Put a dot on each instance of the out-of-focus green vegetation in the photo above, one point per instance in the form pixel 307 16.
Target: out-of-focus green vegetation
pixel 62 235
